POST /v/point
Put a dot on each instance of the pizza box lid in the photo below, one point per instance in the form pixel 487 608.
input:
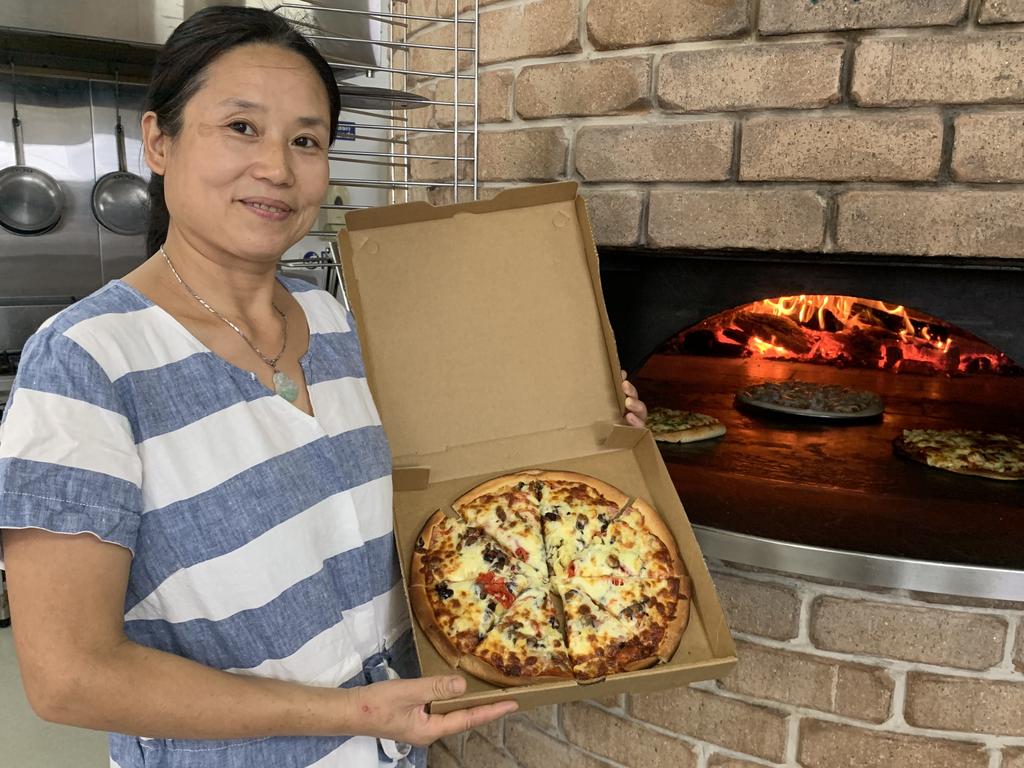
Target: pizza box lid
pixel 480 323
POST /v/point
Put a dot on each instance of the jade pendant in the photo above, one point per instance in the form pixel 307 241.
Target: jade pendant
pixel 285 387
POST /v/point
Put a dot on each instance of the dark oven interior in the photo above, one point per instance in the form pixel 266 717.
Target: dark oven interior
pixel 818 483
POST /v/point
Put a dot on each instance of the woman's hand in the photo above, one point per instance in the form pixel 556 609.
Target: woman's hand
pixel 636 411
pixel 395 709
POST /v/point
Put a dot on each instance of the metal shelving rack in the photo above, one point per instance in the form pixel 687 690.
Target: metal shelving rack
pixel 387 136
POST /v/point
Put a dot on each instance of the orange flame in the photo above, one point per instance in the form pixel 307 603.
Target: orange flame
pixel 827 326
pixel 764 347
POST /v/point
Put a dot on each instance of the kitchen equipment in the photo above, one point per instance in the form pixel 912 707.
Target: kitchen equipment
pixel 384 153
pixel 133 29
pixel 120 199
pixel 364 97
pixel 31 200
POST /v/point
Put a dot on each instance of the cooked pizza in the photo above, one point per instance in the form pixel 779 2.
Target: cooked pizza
pixel 598 589
pixel 574 509
pixel 599 643
pixel 525 646
pixel 508 509
pixel 671 426
pixel 647 606
pixel 811 399
pixel 632 546
pixel 965 451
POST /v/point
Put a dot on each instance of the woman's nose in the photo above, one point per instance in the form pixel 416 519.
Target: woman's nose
pixel 274 163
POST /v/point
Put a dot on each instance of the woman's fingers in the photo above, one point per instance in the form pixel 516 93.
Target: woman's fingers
pixel 443 686
pixel 464 719
pixel 636 406
pixel 636 410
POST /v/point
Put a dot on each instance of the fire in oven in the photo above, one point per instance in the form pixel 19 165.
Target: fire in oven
pixel 869 408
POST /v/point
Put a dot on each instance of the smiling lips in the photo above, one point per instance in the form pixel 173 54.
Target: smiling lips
pixel 266 208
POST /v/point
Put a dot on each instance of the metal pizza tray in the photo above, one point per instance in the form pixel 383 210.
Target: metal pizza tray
pixel 875 409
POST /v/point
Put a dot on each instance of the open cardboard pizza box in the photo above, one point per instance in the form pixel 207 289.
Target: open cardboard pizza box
pixel 488 350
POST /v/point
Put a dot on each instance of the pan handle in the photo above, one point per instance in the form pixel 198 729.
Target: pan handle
pixel 19 142
pixel 122 162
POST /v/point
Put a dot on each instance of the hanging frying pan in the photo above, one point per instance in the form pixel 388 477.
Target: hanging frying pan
pixel 120 199
pixel 31 200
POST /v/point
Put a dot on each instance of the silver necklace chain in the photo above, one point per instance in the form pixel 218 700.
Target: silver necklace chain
pixel 272 362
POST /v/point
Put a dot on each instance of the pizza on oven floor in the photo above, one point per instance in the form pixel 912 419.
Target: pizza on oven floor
pixel 540 576
pixel 669 425
pixel 965 451
pixel 809 398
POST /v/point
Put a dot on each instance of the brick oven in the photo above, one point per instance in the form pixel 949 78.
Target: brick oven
pixel 737 151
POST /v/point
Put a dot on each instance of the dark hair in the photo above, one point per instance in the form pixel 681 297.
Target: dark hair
pixel 182 63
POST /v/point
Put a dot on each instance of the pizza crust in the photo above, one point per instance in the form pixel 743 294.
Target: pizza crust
pixel 480 668
pixel 417 565
pixel 706 432
pixel 656 525
pixel 633 666
pixel 610 492
pixel 424 613
pixel 675 629
pixel 494 485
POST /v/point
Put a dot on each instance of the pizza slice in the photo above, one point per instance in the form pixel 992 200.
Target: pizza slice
pixel 507 509
pixel 657 610
pixel 451 551
pixel 525 646
pixel 965 451
pixel 599 644
pixel 465 611
pixel 574 509
pixel 671 426
pixel 632 546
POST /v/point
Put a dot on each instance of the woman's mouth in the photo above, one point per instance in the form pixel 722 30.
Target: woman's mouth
pixel 273 210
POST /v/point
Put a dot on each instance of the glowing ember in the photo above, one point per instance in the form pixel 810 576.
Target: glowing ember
pixel 843 330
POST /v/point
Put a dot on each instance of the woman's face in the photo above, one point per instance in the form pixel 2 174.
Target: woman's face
pixel 247 172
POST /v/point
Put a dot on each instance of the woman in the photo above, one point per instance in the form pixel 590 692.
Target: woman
pixel 202 435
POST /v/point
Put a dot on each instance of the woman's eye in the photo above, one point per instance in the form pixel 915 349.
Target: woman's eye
pixel 307 142
pixel 240 127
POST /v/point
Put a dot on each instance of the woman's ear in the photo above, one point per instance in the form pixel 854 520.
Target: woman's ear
pixel 155 144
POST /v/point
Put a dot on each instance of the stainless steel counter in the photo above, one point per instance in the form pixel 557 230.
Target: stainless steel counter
pixel 860 568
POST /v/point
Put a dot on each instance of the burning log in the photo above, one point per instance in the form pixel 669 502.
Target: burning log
pixel 780 330
pixel 843 331
pixel 864 347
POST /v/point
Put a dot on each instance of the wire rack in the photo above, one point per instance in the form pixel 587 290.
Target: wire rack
pixel 378 150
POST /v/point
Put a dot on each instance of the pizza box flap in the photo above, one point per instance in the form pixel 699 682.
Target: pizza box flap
pixel 481 322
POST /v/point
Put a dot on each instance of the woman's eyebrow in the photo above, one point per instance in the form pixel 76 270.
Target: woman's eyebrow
pixel 305 122
pixel 242 104
pixel 311 122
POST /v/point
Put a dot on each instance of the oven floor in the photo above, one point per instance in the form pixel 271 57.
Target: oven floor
pixel 841 486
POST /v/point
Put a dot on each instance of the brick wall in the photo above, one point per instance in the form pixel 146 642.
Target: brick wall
pixel 888 126
pixel 829 675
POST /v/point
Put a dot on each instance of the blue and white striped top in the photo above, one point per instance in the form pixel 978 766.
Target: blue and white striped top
pixel 262 537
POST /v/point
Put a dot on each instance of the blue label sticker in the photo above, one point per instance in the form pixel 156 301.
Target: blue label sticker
pixel 346 131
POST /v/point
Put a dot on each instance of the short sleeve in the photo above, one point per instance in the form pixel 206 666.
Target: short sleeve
pixel 68 458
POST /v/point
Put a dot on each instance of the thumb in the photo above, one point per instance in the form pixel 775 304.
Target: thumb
pixel 445 686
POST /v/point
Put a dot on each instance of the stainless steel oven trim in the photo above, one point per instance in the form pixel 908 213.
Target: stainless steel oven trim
pixel 859 568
